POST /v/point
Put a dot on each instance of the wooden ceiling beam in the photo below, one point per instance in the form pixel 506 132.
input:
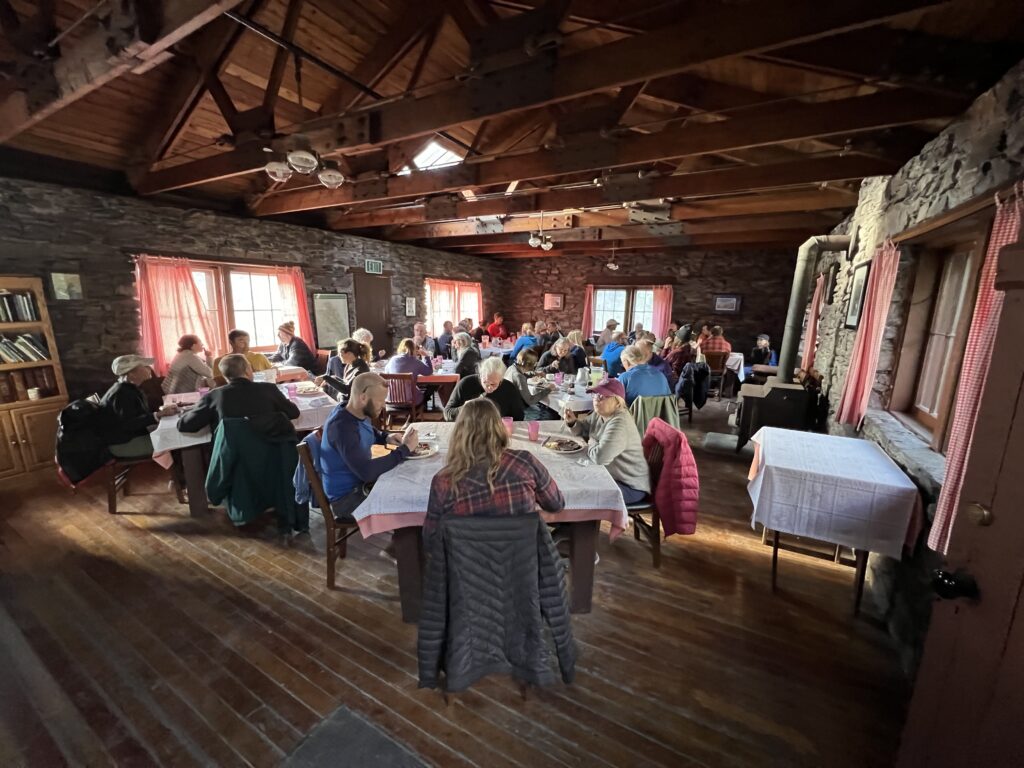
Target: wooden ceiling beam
pixel 794 236
pixel 104 55
pixel 779 246
pixel 291 24
pixel 666 51
pixel 790 122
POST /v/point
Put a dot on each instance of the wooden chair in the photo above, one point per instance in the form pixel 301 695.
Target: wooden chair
pixel 320 364
pixel 651 530
pixel 117 476
pixel 716 364
pixel 401 399
pixel 153 389
pixel 335 533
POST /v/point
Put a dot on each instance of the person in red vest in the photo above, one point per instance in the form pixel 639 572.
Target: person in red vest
pixel 497 329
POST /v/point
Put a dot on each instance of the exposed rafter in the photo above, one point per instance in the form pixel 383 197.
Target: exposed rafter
pixel 291 24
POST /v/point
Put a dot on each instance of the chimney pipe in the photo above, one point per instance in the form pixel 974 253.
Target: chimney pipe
pixel 806 258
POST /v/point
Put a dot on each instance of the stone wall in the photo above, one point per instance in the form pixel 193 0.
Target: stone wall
pixel 46 228
pixel 763 279
pixel 978 153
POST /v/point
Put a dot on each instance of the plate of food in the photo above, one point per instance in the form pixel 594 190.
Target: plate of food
pixel 308 389
pixel 562 445
pixel 423 451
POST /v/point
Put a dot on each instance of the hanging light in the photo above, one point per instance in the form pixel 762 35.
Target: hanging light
pixel 535 240
pixel 547 245
pixel 278 170
pixel 611 262
pixel 303 161
pixel 330 175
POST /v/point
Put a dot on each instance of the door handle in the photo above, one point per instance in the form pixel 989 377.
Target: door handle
pixel 979 514
pixel 956 585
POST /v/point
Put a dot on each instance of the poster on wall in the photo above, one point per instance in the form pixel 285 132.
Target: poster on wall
pixel 859 283
pixel 331 313
pixel 553 301
pixel 410 306
pixel 727 304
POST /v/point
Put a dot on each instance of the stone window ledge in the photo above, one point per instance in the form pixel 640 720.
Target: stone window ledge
pixel 924 466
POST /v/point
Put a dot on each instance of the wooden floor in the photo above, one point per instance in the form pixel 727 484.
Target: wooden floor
pixel 149 639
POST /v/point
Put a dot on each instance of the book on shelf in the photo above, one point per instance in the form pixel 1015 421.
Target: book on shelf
pixel 26 348
pixel 18 307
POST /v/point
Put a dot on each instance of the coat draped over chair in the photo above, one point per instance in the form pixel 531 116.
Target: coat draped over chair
pixel 677 489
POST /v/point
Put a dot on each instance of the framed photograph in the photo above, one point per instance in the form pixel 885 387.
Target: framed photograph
pixel 857 290
pixel 553 301
pixel 410 306
pixel 66 286
pixel 330 311
pixel 727 304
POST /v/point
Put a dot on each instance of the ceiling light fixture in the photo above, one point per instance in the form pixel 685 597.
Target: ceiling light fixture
pixel 330 175
pixel 611 262
pixel 547 245
pixel 304 161
pixel 278 170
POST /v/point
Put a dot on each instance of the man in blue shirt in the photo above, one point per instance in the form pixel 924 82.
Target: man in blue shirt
pixel 444 341
pixel 639 378
pixel 346 464
pixel 612 351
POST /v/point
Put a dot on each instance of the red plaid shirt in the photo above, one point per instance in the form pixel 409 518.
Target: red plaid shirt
pixel 522 483
pixel 715 344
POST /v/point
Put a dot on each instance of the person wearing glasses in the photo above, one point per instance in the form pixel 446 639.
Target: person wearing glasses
pixel 613 440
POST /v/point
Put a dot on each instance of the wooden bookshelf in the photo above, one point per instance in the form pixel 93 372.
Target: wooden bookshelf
pixel 28 428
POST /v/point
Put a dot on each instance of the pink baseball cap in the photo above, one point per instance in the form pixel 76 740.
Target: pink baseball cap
pixel 610 387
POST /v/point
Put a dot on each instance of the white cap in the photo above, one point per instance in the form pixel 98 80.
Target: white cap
pixel 128 363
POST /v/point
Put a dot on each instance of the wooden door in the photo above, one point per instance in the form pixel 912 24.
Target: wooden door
pixel 373 309
pixel 37 433
pixel 969 697
pixel 10 451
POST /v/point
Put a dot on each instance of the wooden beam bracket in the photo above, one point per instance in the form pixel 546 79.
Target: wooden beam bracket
pixel 440 207
pixel 627 186
pixel 649 214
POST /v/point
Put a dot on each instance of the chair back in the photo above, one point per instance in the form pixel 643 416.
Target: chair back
pixel 655 456
pixel 315 484
pixel 401 390
pixel 597 362
pixel 663 407
pixel 153 389
pixel 320 364
pixel 716 361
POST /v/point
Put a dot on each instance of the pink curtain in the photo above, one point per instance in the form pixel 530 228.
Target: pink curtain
pixel 662 310
pixel 587 326
pixel 171 306
pixel 293 295
pixel 452 300
pixel 864 360
pixel 974 372
pixel 811 334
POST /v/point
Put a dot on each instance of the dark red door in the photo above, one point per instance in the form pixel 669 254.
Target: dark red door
pixel 373 309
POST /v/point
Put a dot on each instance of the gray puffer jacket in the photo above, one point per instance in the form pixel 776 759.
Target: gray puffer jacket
pixel 490 585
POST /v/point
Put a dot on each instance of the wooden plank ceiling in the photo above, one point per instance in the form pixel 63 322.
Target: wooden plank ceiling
pixel 608 125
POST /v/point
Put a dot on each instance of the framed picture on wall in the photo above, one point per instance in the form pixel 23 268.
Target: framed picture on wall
pixel 330 311
pixel 553 301
pixel 859 284
pixel 727 304
pixel 410 306
pixel 66 286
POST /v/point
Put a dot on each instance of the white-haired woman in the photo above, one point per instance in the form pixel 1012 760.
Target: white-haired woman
pixel 640 378
pixel 490 382
pixel 364 336
pixel 465 353
pixel 559 358
pixel 519 374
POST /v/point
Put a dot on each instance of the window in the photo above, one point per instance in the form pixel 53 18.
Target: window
pixel 451 300
pixel 435 156
pixel 627 305
pixel 257 306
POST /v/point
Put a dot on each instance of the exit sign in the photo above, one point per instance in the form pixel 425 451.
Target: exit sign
pixel 374 267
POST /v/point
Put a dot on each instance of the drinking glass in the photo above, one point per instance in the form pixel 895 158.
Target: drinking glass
pixel 533 429
pixel 509 424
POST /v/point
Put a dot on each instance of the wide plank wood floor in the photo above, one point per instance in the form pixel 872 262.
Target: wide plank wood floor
pixel 148 638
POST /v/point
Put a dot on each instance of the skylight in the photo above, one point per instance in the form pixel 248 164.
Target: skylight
pixel 435 156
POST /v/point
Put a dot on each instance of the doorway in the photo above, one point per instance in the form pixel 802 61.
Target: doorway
pixel 373 308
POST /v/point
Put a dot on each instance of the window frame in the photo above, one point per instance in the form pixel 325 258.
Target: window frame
pixel 628 321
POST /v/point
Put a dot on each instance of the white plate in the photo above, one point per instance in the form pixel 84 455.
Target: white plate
pixel 564 453
pixel 432 452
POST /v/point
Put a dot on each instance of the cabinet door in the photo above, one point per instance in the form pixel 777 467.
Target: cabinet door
pixel 10 453
pixel 37 433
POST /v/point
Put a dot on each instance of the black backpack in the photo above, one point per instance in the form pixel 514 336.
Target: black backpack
pixel 82 427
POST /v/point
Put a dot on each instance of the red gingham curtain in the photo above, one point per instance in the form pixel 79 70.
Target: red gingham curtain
pixel 974 372
pixel 864 360
pixel 811 335
pixel 587 326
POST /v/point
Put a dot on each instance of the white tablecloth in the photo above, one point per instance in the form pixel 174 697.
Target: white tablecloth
pixel 835 489
pixel 486 352
pixel 403 493
pixel 313 412
pixel 734 362
pixel 558 401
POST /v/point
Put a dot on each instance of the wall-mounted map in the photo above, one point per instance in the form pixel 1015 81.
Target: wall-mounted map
pixel 331 313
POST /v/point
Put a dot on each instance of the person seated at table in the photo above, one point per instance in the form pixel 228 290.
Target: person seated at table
pixel 559 358
pixel 405 361
pixel 238 341
pixel 497 329
pixel 715 342
pixel 519 373
pixel 637 332
pixel 466 355
pixel 478 332
pixel 364 336
pixel 685 333
pixel 639 378
pixel 606 335
pixel 423 341
pixel 190 368
pixel 762 353
pixel 351 360
pixel 347 466
pixel 540 333
pixel 578 349
pixel 679 355
pixel 613 440
pixel 480 467
pixel 241 396
pixel 670 334
pixel 650 344
pixel 292 350
pixel 612 352
pixel 444 341
pixel 704 334
pixel 490 382
pixel 126 411
pixel 526 340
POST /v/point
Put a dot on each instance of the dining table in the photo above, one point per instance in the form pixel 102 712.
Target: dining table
pixel 398 505
pixel 313 412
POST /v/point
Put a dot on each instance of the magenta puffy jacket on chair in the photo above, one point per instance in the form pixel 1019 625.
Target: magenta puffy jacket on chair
pixel 677 492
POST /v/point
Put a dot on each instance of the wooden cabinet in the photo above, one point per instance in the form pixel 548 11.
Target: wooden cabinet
pixel 11 462
pixel 36 429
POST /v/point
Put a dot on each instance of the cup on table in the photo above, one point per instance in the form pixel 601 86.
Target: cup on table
pixel 533 429
pixel 558 378
pixel 509 424
pixel 293 390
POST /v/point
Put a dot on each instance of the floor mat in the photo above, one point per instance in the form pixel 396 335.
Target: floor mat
pixel 348 739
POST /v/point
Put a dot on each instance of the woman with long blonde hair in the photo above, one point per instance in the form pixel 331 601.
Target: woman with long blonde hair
pixel 483 476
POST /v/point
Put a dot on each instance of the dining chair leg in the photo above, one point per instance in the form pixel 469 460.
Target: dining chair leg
pixel 656 539
pixel 775 557
pixel 636 527
pixel 112 489
pixel 332 556
pixel 862 569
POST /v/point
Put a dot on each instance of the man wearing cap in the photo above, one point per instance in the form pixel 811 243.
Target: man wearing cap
pixel 613 440
pixel 606 335
pixel 762 353
pixel 292 350
pixel 130 418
